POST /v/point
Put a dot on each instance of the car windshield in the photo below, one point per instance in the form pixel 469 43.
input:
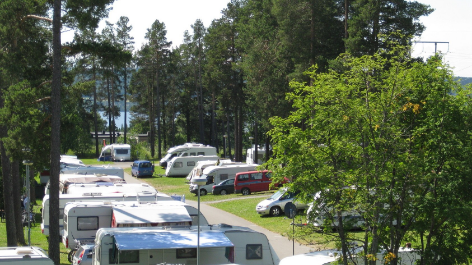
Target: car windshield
pixel 277 195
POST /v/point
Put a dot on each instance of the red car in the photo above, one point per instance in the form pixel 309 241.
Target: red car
pixel 253 181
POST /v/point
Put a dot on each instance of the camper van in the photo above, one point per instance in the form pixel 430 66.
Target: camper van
pixel 216 244
pixel 88 196
pixel 254 181
pixel 187 149
pixel 24 256
pixel 66 179
pixel 115 152
pixel 90 170
pixel 107 188
pixel 216 174
pixel 182 165
pixel 83 219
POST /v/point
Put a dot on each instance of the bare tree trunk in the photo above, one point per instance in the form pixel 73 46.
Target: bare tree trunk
pixel 8 197
pixel 15 175
pixel 55 137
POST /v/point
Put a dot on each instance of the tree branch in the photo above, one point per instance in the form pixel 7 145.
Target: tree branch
pixel 36 17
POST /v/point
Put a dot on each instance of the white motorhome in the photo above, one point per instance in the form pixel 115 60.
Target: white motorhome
pixel 182 165
pixel 251 155
pixel 217 244
pixel 115 152
pixel 24 256
pixel 65 198
pixel 66 179
pixel 83 219
pixel 201 165
pixel 108 188
pixel 91 170
pixel 187 149
pixel 216 174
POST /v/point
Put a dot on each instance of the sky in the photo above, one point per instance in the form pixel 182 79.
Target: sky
pixel 450 22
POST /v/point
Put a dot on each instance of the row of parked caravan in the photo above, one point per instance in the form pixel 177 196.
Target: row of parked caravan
pixel 104 220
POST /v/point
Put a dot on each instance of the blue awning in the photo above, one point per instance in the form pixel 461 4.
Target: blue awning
pixel 170 240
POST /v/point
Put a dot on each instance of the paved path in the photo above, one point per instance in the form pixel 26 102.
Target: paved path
pixel 282 246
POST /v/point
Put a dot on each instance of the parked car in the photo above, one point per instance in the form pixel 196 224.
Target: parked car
pixel 224 187
pixel 275 204
pixel 254 181
pixel 142 168
pixel 83 255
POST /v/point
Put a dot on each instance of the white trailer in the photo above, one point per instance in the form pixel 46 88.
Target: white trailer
pixel 182 165
pixel 109 188
pixel 251 155
pixel 95 170
pixel 215 174
pixel 83 219
pixel 217 244
pixel 201 165
pixel 115 152
pixel 67 179
pixel 65 198
pixel 187 149
pixel 24 256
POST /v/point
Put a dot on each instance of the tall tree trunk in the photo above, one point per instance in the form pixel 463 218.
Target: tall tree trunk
pixel 256 138
pixel 112 109
pixel 55 137
pixel 16 187
pixel 158 113
pixel 213 141
pixel 8 195
pixel 95 119
pixel 151 121
pixel 125 98
pixel 109 111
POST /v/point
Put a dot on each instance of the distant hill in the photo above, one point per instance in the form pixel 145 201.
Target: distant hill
pixel 464 80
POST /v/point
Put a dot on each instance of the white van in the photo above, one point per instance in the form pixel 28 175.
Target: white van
pixel 91 170
pixel 65 198
pixel 83 219
pixel 182 165
pixel 216 174
pixel 24 256
pixel 187 149
pixel 107 188
pixel 115 152
pixel 217 244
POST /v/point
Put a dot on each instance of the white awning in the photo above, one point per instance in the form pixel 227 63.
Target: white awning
pixel 170 240
pixel 143 214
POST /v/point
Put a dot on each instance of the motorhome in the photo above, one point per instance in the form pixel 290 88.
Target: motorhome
pixel 91 170
pixel 83 219
pixel 115 152
pixel 108 188
pixel 66 179
pixel 215 244
pixel 187 149
pixel 201 165
pixel 182 165
pixel 251 155
pixel 24 256
pixel 216 174
pixel 88 196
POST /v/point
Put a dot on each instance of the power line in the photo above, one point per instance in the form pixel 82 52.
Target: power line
pixel 435 44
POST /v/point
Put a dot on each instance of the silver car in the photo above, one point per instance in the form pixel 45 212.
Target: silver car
pixel 83 255
pixel 275 204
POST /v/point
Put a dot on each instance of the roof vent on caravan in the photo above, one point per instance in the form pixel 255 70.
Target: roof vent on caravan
pixel 24 251
pixel 92 194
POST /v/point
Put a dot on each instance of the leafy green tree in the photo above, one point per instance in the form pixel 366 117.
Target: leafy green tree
pixel 386 139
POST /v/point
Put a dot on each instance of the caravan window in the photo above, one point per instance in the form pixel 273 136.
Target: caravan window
pixel 254 251
pixel 201 153
pixel 87 223
pixel 223 176
pixel 125 256
pixel 256 176
pixel 178 164
pixel 192 154
pixel 121 151
pixel 190 163
pixel 186 253
pixel 183 154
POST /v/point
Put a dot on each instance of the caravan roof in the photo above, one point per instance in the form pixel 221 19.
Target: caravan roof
pixel 143 214
pixel 107 188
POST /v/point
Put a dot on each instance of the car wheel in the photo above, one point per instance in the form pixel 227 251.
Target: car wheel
pixel 223 192
pixel 203 192
pixel 245 191
pixel 275 211
pixel 71 255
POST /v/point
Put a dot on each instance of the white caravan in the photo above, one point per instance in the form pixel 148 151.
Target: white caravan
pixel 251 155
pixel 407 256
pixel 108 188
pixel 24 256
pixel 66 179
pixel 83 219
pixel 201 165
pixel 187 149
pixel 180 166
pixel 66 161
pixel 65 198
pixel 115 152
pixel 91 170
pixel 217 244
pixel 216 174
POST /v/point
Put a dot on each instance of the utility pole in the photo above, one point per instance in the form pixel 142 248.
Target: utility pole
pixel 435 44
